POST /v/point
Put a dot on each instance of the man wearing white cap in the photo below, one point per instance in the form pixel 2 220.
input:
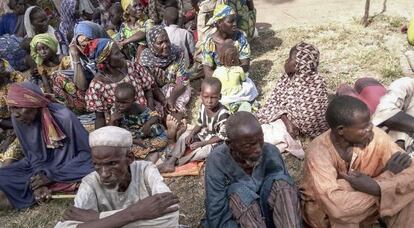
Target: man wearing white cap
pixel 121 192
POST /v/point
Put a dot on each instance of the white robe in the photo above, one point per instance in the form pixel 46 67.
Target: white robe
pixel 145 181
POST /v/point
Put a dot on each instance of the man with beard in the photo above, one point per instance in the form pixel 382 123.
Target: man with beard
pixel 121 192
pixel 355 173
pixel 247 183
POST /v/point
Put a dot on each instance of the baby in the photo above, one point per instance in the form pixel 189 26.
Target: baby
pixel 237 96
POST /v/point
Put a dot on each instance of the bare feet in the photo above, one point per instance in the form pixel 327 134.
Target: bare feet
pixel 167 167
pixel 153 157
pixel 172 127
pixel 181 129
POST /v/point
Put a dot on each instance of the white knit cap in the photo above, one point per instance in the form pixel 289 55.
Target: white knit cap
pixel 110 136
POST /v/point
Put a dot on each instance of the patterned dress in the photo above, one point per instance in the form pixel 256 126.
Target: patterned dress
pixel 303 97
pixel 8 138
pixel 209 49
pixel 155 142
pixel 101 96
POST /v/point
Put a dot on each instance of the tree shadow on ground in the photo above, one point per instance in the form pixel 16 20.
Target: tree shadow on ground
pixel 258 70
pixel 266 42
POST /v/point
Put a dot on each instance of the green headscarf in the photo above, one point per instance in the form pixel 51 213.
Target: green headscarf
pixel 221 11
pixel 45 38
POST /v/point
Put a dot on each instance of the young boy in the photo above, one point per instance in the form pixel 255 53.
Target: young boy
pixel 179 36
pixel 209 131
pixel 149 136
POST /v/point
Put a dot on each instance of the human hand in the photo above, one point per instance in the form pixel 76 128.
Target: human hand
pixel 74 51
pixel 42 195
pixel 154 206
pixel 146 130
pixel 38 181
pixel 292 130
pixel 82 215
pixel 115 117
pixel 189 139
pixel 398 162
pixel 196 145
pixel 362 183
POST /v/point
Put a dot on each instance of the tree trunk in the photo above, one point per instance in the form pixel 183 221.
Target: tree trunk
pixel 384 6
pixel 365 21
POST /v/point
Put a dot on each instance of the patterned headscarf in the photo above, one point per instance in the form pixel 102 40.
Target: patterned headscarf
pixel 28 95
pixel 150 58
pixel 125 4
pixel 221 11
pixel 67 17
pixel 303 96
pixel 99 50
pixel 45 38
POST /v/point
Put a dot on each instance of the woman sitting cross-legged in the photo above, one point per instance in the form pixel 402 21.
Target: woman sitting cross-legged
pixel 55 146
pixel 114 69
pixel 53 75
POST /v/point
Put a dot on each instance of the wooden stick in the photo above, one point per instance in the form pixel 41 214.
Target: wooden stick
pixel 63 196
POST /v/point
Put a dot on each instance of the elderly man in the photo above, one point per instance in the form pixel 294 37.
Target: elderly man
pixel 121 192
pixel 355 173
pixel 247 184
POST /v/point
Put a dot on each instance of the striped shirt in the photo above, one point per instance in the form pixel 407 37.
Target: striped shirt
pixel 213 126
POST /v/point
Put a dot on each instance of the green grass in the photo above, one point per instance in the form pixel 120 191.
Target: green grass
pixel 348 51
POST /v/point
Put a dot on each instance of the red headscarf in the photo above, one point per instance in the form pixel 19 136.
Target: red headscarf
pixel 22 97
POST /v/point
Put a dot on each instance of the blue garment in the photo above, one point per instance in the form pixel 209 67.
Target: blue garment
pixel 11 51
pixel 225 177
pixel 66 164
pixel 92 31
pixel 8 23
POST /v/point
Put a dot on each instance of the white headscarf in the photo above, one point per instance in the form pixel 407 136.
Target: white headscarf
pixel 28 24
pixel 110 136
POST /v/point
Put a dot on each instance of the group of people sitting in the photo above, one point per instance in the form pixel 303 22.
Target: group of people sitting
pixel 128 66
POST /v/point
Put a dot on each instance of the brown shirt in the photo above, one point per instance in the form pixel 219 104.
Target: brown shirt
pixel 328 199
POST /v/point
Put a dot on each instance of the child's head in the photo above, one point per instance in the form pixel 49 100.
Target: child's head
pixel 171 16
pixel 210 92
pixel 115 14
pixel 290 63
pixel 228 54
pixel 124 96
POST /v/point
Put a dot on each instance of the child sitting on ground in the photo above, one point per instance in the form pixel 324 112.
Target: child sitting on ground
pixel 238 92
pixel 209 131
pixel 149 135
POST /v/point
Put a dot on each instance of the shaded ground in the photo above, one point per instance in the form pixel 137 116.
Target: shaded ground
pixel 348 51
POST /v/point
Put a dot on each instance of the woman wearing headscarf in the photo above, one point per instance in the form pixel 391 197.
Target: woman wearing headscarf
pixel 55 147
pixel 37 22
pixel 85 68
pixel 246 15
pixel 166 62
pixel 131 36
pixel 54 74
pixel 10 150
pixel 114 69
pixel 224 20
pixel 300 97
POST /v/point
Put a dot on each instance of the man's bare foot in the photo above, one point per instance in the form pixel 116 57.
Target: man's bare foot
pixel 181 129
pixel 166 167
pixel 153 157
pixel 172 127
